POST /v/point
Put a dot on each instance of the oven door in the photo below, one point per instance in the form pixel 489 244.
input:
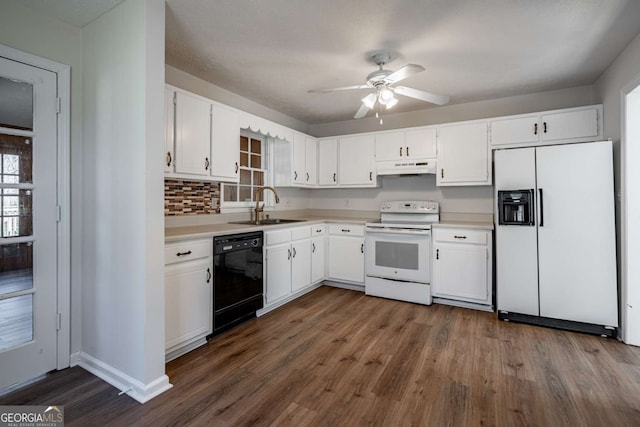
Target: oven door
pixel 398 254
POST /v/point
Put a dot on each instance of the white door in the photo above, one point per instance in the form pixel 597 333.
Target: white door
pixel 576 233
pixel 390 146
pixel 570 124
pixel 278 261
pixel 193 135
pixel 299 158
pixel 463 155
pixel 317 259
pixel 346 258
pixel 169 126
pixel 311 161
pixel 421 144
pixel 356 160
pixel 460 271
pixel 300 264
pixel 398 255
pixel 225 144
pixel 516 245
pixel 28 244
pixel 517 130
pixel 328 162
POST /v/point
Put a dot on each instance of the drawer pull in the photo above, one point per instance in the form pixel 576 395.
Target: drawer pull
pixel 183 253
pixel 319 230
pixel 208 275
pixel 346 230
pixel 460 237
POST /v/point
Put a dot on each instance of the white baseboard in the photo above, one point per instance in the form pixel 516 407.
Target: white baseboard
pixel 132 387
pixel 286 300
pixel 350 286
pixel 174 353
pixel 74 359
pixel 463 304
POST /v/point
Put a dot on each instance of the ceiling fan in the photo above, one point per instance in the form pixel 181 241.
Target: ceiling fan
pixel 382 83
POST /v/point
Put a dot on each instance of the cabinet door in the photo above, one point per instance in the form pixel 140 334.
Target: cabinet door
pixel 300 264
pixel 317 259
pixel 169 126
pixel 188 301
pixel 517 130
pixel 278 265
pixel 356 161
pixel 421 144
pixel 390 146
pixel 298 169
pixel 225 144
pixel 463 155
pixel 581 124
pixel 328 162
pixel 193 135
pixel 461 272
pixel 311 161
pixel 346 258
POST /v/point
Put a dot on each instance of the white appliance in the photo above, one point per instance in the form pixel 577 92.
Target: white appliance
pixel 406 167
pixel 398 251
pixel 555 236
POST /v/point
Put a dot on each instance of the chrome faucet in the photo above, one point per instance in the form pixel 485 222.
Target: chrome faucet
pixel 259 208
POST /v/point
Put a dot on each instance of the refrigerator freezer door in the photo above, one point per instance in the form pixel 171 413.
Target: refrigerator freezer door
pixel 577 253
pixel 516 246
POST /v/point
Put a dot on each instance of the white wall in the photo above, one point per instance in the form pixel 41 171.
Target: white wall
pixel 563 98
pixel 31 32
pixel 201 87
pixel 123 235
pixel 608 90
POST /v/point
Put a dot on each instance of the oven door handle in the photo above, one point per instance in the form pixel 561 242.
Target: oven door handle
pixel 399 231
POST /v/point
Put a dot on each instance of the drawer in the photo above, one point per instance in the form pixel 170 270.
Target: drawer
pixel 277 236
pixel 300 233
pixel 318 230
pixel 346 229
pixel 187 251
pixel 461 235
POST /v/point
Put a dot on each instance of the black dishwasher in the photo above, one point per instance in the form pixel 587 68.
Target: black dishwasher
pixel 237 279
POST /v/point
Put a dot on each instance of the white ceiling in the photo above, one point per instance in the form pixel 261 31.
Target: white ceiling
pixel 273 51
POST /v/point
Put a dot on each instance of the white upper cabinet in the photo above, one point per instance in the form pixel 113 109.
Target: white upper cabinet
pixel 298 169
pixel 578 123
pixel 328 162
pixel 193 135
pixel 169 128
pixel 225 144
pixel 463 154
pixel 311 161
pixel 356 161
pixel 419 143
pixel 569 125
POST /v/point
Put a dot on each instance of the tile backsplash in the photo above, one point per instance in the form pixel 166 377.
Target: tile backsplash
pixel 190 197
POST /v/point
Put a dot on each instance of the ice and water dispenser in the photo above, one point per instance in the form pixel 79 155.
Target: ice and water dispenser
pixel 515 207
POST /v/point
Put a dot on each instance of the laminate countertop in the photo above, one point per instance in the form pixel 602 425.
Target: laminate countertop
pixel 173 234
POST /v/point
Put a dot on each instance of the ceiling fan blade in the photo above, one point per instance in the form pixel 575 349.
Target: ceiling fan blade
pixel 404 72
pixel 336 89
pixel 421 95
pixel 362 111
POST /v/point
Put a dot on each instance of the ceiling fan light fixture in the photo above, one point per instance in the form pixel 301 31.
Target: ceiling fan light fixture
pixel 391 103
pixel 369 100
pixel 385 96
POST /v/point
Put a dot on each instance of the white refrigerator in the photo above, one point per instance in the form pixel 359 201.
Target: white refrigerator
pixel 559 264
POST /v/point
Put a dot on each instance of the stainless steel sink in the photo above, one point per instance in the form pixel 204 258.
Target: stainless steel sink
pixel 270 221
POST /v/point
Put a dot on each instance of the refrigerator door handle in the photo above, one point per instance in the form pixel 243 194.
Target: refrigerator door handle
pixel 541 209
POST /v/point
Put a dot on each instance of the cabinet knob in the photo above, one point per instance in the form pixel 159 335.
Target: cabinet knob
pixel 169 159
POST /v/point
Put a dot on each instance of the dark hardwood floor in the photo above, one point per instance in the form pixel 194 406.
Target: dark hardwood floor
pixel 337 357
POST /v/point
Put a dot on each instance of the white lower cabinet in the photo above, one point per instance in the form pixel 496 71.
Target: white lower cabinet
pixel 346 253
pixel 318 257
pixel 287 256
pixel 462 265
pixel 188 295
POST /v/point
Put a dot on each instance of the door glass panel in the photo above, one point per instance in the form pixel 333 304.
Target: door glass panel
pixel 16 321
pixel 397 255
pixel 16 159
pixel 16 212
pixel 16 267
pixel 16 104
pixel 245 193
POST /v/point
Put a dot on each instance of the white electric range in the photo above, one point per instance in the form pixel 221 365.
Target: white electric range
pixel 398 251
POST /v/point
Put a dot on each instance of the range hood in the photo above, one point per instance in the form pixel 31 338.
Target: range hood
pixel 406 167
